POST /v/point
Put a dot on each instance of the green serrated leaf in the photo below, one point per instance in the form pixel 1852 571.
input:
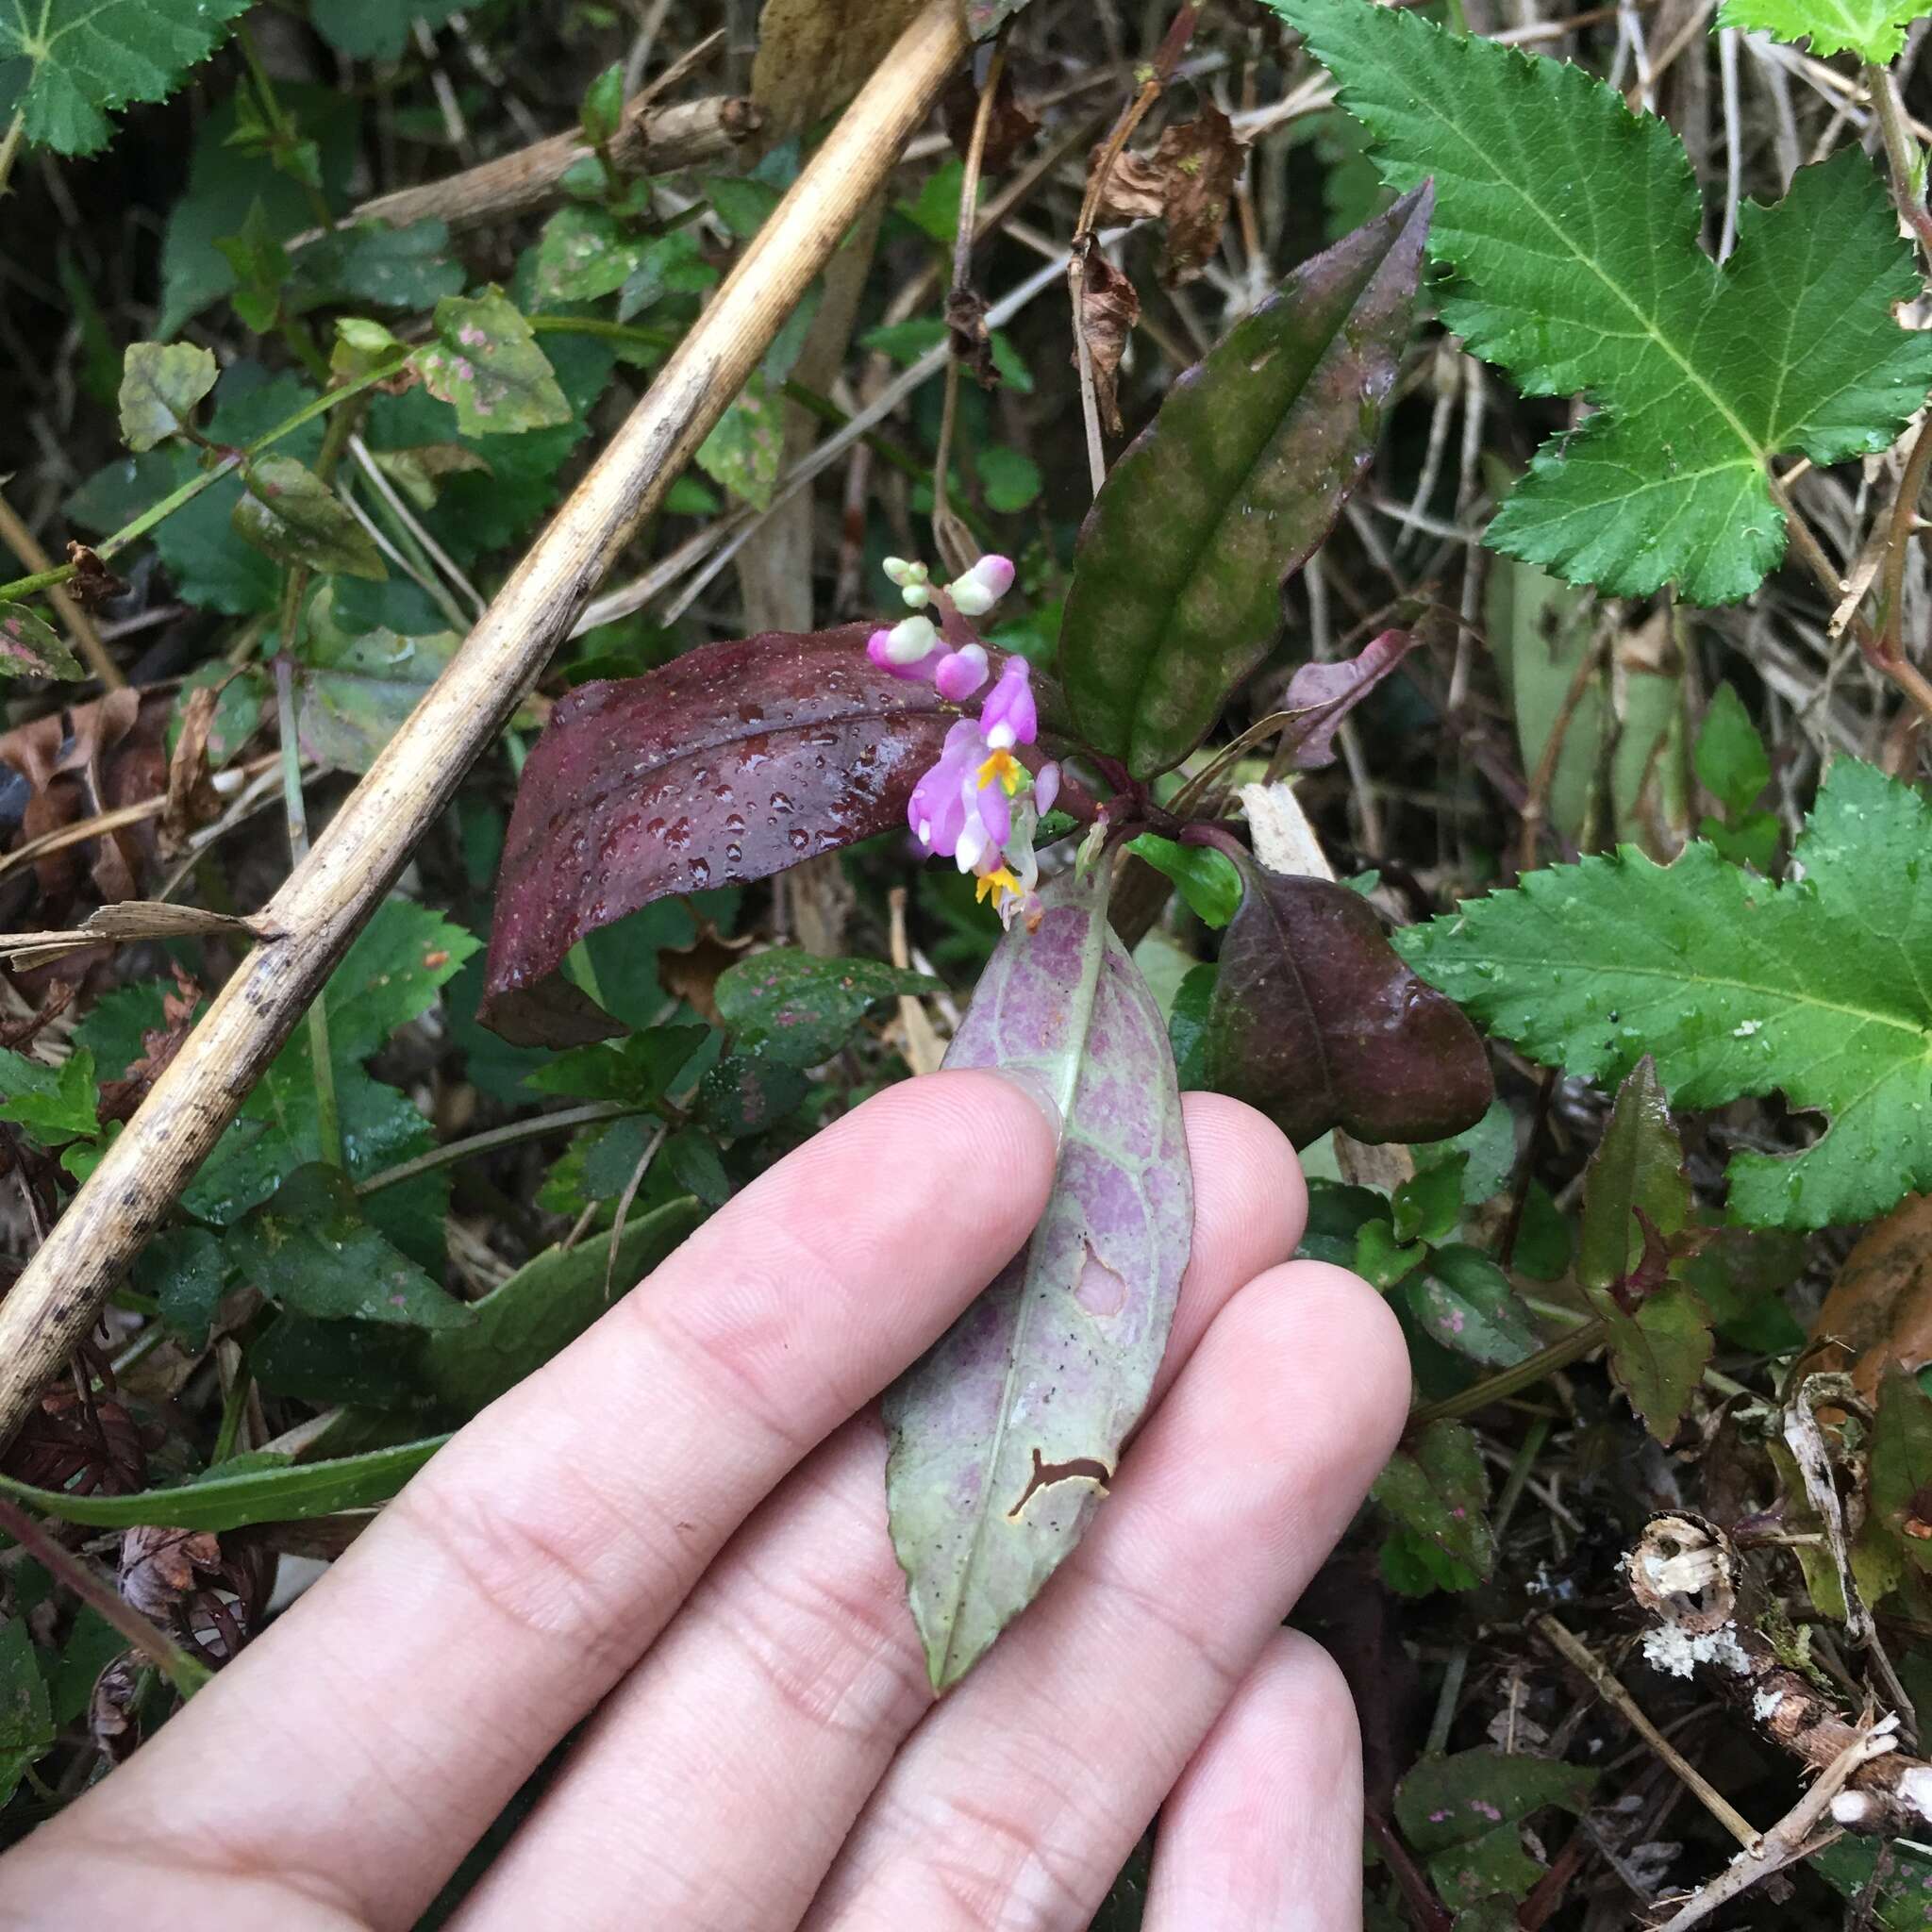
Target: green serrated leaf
pixel 287 511
pixel 371 262
pixel 52 1104
pixel 585 253
pixel 1702 372
pixel 486 364
pixel 1820 987
pixel 309 1250
pixel 1872 29
pixel 1176 590
pixel 187 1271
pixel 27 1718
pixel 799 1010
pixel 31 647
pixel 638 1069
pixel 1464 1815
pixel 1436 1485
pixel 66 64
pixel 160 384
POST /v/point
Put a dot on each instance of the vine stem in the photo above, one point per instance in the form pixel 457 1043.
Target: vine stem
pixel 326 900
pixel 1512 1381
pixel 1908 191
pixel 187 1674
pixel 9 149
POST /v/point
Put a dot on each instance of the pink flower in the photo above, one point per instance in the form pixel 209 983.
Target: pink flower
pixel 975 594
pixel 1009 716
pixel 960 673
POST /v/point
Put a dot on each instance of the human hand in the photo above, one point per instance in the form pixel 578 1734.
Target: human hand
pixel 679 1526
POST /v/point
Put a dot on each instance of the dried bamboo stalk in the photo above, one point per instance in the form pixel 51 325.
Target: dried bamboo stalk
pixel 324 904
pixel 656 140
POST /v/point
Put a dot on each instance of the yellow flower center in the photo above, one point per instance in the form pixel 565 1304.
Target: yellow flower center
pixel 1000 883
pixel 1004 770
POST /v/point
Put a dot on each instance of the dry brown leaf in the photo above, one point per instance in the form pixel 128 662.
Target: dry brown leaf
pixel 193 801
pixel 971 344
pixel 690 973
pixel 1009 129
pixel 92 583
pixel 1187 181
pixel 1109 307
pixel 814 54
pixel 1879 1310
pixel 1136 187
pixel 161 1566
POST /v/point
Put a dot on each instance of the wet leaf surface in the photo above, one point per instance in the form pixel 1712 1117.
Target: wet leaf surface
pixel 1005 1434
pixel 1464 1815
pixel 792 1007
pixel 290 513
pixel 1177 593
pixel 31 647
pixel 1434 1485
pixel 729 763
pixel 1318 1022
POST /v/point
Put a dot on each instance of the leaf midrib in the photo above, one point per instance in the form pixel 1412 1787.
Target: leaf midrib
pixel 1505 180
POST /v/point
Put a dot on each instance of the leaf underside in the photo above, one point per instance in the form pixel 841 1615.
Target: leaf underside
pixel 1177 593
pixel 1820 987
pixel 1006 1433
pixel 1572 224
pixel 729 763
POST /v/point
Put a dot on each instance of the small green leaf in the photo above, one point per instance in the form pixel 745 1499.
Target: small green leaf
pixel 1821 986
pixel 52 1104
pixel 1700 371
pixel 1008 480
pixel 1732 763
pixel 26 1720
pixel 1464 1815
pixel 187 1270
pixel 1187 1026
pixel 261 268
pixel 638 1069
pixel 290 513
pixel 1177 592
pixel 1464 1300
pixel 1206 879
pixel 262 1487
pixel 375 29
pixel 29 647
pixel 64 64
pixel 799 1010
pixel 357 688
pixel 583 253
pixel 1435 1484
pixel 692 1161
pixel 1635 1199
pixel 1872 29
pixel 410 267
pixel 160 384
pixel 743 204
pixel 745 1094
pixel 486 364
pixel 603 110
pixel 746 445
pixel 308 1249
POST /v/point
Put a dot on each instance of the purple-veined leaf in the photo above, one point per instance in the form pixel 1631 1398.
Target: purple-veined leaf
pixel 1636 1206
pixel 1318 1022
pixel 30 647
pixel 1005 1434
pixel 727 764
pixel 1177 592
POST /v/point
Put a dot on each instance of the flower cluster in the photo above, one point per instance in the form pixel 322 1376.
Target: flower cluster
pixel 978 805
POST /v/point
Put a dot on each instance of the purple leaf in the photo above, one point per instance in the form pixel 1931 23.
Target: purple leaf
pixel 1318 1022
pixel 1007 1433
pixel 1320 696
pixel 1177 592
pixel 727 764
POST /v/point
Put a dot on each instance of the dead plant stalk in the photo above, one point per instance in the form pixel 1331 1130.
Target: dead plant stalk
pixel 327 898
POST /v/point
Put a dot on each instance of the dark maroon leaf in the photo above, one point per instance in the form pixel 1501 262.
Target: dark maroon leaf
pixel 1320 696
pixel 1318 1022
pixel 729 763
pixel 1177 592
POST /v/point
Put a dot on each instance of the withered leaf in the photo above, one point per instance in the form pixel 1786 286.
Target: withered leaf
pixel 1879 1308
pixel 159 1567
pixel 1186 182
pixel 1009 129
pixel 971 343
pixel 1109 307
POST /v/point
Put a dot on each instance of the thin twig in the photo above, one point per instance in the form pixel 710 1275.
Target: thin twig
pixel 78 624
pixel 1907 187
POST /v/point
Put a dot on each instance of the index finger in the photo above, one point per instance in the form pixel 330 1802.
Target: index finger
pixel 536 1558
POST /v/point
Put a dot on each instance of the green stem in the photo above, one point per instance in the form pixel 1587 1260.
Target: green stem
pixel 1901 153
pixel 540 1127
pixel 10 148
pixel 234 1408
pixel 328 1122
pixel 175 499
pixel 187 1674
pixel 1526 1374
pixel 281 124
